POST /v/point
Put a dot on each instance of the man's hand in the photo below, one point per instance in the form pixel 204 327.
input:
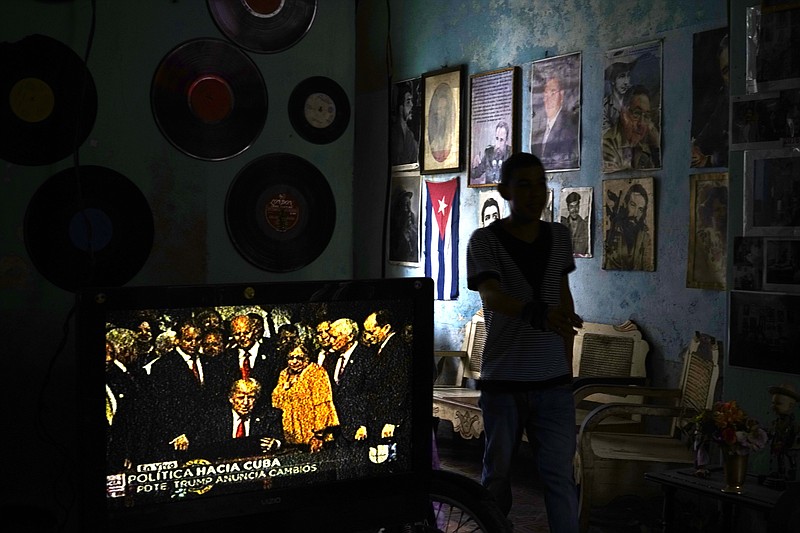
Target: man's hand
pixel 361 433
pixel 387 431
pixel 181 442
pixel 268 444
pixel 563 322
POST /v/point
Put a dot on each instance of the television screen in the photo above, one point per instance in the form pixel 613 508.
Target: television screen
pixel 302 404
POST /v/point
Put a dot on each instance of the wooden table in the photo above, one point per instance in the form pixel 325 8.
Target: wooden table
pixel 780 508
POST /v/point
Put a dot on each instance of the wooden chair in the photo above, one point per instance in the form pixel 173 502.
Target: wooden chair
pixel 611 463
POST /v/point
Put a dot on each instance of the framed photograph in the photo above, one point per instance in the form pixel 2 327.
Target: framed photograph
pixel 492 207
pixel 575 211
pixel 556 111
pixel 764 331
pixel 772 193
pixel 765 120
pixel 782 265
pixel 405 124
pixel 710 100
pixel 632 108
pixel 492 132
pixel 773 30
pixel 708 235
pixel 441 121
pixel 748 263
pixel 404 218
pixel 628 224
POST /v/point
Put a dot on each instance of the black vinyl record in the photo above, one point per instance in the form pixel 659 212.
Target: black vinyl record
pixel 88 227
pixel 48 101
pixel 264 26
pixel 209 99
pixel 319 110
pixel 280 212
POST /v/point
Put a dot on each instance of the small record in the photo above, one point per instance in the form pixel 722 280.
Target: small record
pixel 88 227
pixel 209 99
pixel 264 26
pixel 280 212
pixel 48 101
pixel 319 110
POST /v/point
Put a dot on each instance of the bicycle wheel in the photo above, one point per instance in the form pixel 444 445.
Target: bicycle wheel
pixel 461 505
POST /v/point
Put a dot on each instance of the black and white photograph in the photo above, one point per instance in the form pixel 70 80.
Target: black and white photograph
pixel 404 218
pixel 782 265
pixel 492 128
pixel 772 193
pixel 765 331
pixel 748 263
pixel 710 101
pixel 405 126
pixel 708 231
pixel 556 111
pixel 575 209
pixel 632 108
pixel 492 207
pixel 628 224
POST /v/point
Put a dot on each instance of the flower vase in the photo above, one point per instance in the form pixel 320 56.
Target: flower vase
pixel 734 468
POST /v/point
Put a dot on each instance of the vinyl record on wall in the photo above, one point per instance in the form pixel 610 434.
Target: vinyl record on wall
pixel 88 227
pixel 280 212
pixel 319 110
pixel 209 99
pixel 48 101
pixel 264 26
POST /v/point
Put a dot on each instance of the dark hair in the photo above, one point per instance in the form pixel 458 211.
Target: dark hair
pixel 573 197
pixel 400 97
pixel 515 162
pixel 638 188
pixel 487 204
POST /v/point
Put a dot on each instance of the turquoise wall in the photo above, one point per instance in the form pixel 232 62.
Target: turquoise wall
pixel 487 35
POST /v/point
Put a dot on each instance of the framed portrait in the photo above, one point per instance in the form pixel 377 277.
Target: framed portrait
pixel 748 263
pixel 556 111
pixel 492 131
pixel 782 265
pixel 708 223
pixel 772 193
pixel 773 29
pixel 628 224
pixel 765 120
pixel 710 101
pixel 575 212
pixel 405 119
pixel 491 206
pixel 764 331
pixel 631 137
pixel 404 218
pixel 441 121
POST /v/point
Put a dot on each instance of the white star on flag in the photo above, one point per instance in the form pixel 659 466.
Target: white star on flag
pixel 442 206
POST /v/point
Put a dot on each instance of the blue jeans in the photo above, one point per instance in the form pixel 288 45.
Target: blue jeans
pixel 548 418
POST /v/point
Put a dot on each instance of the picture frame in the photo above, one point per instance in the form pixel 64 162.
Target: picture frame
pixel 493 130
pixel 632 108
pixel 440 149
pixel 629 224
pixel 708 221
pixel 748 263
pixel 405 117
pixel 491 206
pixel 764 331
pixel 575 212
pixel 772 193
pixel 782 265
pixel 710 132
pixel 772 30
pixel 765 120
pixel 405 211
pixel 555 136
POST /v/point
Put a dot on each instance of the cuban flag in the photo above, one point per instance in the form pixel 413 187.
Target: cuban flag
pixel 441 237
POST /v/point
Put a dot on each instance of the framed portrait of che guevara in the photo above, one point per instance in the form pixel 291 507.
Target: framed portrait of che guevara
pixel 492 132
pixel 440 149
pixel 629 224
pixel 404 218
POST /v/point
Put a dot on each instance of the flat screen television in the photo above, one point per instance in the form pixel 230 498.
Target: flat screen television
pixel 167 456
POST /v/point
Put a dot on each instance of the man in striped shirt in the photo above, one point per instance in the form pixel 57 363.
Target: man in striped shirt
pixel 519 265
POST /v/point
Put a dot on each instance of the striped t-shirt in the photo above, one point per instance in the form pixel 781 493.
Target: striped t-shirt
pixel 514 351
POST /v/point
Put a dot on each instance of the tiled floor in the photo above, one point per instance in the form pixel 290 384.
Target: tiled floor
pixel 528 513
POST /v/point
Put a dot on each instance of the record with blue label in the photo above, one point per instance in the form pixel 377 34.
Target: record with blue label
pixel 88 226
pixel 280 212
pixel 48 101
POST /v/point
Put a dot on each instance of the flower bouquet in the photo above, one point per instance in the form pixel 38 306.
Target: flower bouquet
pixel 737 435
